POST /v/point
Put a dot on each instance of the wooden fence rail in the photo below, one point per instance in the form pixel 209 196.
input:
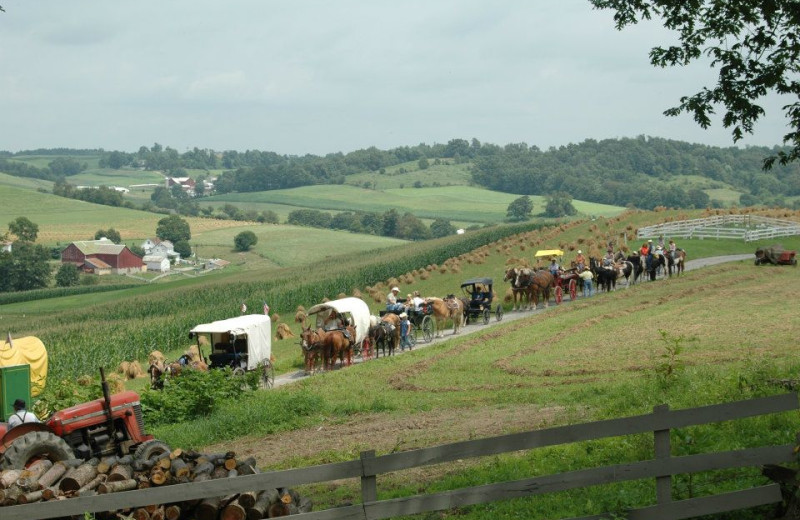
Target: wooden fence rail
pixel 661 468
pixel 744 227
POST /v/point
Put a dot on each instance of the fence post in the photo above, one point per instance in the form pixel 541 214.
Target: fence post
pixel 369 482
pixel 662 451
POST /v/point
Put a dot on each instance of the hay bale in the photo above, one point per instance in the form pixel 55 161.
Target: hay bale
pixel 134 370
pixel 116 384
pixel 202 341
pixel 300 316
pixel 357 293
pixel 341 295
pixel 424 275
pixel 194 353
pixel 275 317
pixel 284 331
pixel 156 358
pixel 123 367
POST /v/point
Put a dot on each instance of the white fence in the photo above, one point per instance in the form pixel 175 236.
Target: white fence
pixel 742 227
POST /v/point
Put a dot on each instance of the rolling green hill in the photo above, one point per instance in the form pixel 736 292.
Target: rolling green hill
pixel 457 203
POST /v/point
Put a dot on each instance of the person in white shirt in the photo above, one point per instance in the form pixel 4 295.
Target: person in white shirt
pixel 21 415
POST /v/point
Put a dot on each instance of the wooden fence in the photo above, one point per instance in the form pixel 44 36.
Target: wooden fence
pixel 661 468
pixel 740 227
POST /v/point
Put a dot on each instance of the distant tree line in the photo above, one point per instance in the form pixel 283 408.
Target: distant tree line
pixel 101 195
pixel 57 169
pixel 634 171
pixel 389 224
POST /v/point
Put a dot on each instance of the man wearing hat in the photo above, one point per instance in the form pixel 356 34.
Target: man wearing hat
pixel 21 415
pixel 392 302
pixel 586 277
pixel 580 261
pixel 405 328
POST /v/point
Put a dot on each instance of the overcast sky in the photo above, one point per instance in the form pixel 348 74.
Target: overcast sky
pixel 303 76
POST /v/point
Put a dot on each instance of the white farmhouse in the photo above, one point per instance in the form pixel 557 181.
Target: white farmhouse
pixel 155 246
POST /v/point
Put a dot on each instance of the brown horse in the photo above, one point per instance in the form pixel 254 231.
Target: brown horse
pixel 517 275
pixel 541 282
pixel 394 321
pixel 449 308
pixel 335 343
pixel 678 263
pixel 311 345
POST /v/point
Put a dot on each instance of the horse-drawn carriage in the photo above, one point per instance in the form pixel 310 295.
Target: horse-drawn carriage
pixel 243 344
pixel 564 280
pixel 421 321
pixel 340 315
pixel 478 300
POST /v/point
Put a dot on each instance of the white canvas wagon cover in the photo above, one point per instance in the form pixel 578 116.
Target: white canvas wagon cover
pixel 357 309
pixel 256 327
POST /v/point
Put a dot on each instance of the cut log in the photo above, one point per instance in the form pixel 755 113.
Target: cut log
pixel 176 454
pixel 140 513
pixel 233 511
pixel 115 487
pixel 96 481
pixel 232 473
pixel 277 509
pixel 106 463
pixel 203 467
pixel 208 509
pixel 120 472
pixel 9 477
pixel 164 462
pixel 158 513
pixel 27 498
pixel 172 512
pixel 11 494
pixel 78 477
pixel 158 477
pixel 29 478
pixel 230 463
pixel 52 475
pixel 180 468
pixel 247 499
pixel 50 493
pixel 260 508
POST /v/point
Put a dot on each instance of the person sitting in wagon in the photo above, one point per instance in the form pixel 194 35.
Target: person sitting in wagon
pixel 608 260
pixel 554 267
pixel 393 303
pixel 580 261
pixel 417 301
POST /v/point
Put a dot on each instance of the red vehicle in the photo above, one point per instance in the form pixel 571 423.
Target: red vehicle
pixel 566 281
pixel 111 425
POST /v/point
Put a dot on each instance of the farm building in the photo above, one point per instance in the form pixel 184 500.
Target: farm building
pixel 186 183
pixel 156 263
pixel 155 246
pixel 101 257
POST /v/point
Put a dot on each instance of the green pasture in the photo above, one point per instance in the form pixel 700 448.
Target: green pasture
pixel 446 174
pixel 25 182
pixel 109 177
pixel 729 197
pixel 43 161
pixel 456 203
pixel 287 246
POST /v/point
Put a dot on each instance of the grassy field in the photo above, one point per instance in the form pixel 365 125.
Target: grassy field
pixel 457 203
pixel 24 182
pixel 108 177
pixel 406 174
pixel 43 161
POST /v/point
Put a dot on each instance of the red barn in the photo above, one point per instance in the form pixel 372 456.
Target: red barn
pixel 102 256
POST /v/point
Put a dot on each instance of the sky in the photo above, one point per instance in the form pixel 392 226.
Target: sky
pixel 315 76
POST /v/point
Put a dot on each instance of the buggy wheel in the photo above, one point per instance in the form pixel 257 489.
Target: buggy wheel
pixel 486 315
pixel 267 375
pixel 427 328
pixel 238 372
pixel 573 289
pixel 498 312
pixel 559 295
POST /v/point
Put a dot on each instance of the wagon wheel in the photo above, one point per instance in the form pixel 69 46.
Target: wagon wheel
pixel 267 375
pixel 412 336
pixel 498 312
pixel 238 372
pixel 573 289
pixel 427 328
pixel 486 315
pixel 559 294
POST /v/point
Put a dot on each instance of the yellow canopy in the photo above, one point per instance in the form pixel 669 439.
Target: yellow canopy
pixel 27 351
pixel 549 252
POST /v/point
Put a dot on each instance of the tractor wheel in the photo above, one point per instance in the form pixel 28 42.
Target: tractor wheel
pixel 427 328
pixel 486 315
pixel 498 312
pixel 573 289
pixel 267 377
pixel 34 446
pixel 559 295
pixel 151 448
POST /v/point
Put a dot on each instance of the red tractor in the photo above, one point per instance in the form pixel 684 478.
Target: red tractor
pixel 111 425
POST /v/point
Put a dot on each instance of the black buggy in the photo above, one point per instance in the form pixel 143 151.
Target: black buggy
pixel 421 321
pixel 478 300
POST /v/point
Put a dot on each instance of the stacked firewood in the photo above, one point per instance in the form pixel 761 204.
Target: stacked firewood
pixel 45 480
